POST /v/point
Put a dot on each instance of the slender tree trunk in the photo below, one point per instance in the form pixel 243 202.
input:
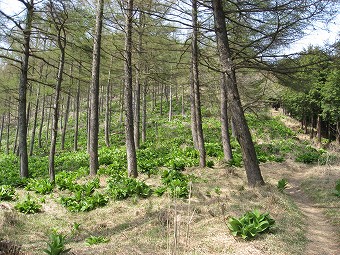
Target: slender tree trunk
pixel 61 40
pixel 2 128
pixel 16 146
pixel 170 104
pixel 107 107
pixel 48 131
pixel 94 91
pixel 161 94
pixel 318 129
pixel 121 101
pixel 22 122
pixel 242 131
pixel 130 143
pixel 88 116
pixel 35 122
pixel 183 104
pixel 144 111
pixel 8 126
pixel 196 90
pixel 312 126
pixel 66 114
pixel 227 151
pixel 41 122
pixel 76 127
pixel 338 132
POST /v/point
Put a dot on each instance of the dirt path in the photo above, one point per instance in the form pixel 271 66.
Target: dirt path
pixel 322 239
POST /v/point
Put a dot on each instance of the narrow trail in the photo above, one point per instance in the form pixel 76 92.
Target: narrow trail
pixel 321 236
pixel 320 233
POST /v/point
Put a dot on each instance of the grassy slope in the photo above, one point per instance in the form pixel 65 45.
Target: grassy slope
pixel 158 225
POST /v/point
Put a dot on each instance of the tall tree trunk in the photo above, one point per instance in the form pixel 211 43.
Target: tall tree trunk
pixel 94 91
pixel 144 111
pixel 66 114
pixel 41 122
pixel 76 127
pixel 242 131
pixel 61 41
pixel 130 143
pixel 227 151
pixel 196 90
pixel 318 129
pixel 2 128
pixel 311 126
pixel 170 103
pixel 107 107
pixel 183 104
pixel 35 121
pixel 22 122
pixel 8 126
pixel 138 82
pixel 48 131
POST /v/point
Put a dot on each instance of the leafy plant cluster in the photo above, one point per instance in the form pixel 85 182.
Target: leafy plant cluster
pixel 175 182
pixel 309 155
pixel 337 189
pixel 120 186
pixel 250 224
pixel 28 206
pixel 7 193
pixel 41 186
pixel 56 244
pixel 96 240
pixel 84 197
pixel 282 184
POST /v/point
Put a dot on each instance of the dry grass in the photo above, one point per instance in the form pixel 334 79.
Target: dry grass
pixel 162 225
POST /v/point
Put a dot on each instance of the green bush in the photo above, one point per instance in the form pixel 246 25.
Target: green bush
pixel 96 240
pixel 82 202
pixel 337 189
pixel 250 224
pixel 309 155
pixel 121 187
pixel 28 206
pixel 42 186
pixel 56 244
pixel 7 193
pixel 282 185
pixel 176 182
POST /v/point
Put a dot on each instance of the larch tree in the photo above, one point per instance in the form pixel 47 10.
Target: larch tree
pixel 228 68
pixel 94 91
pixel 128 103
pixel 196 118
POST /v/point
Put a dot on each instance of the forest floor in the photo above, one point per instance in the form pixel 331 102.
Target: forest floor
pixel 307 215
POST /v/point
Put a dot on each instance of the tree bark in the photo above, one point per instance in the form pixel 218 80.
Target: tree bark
pixel 35 121
pixel 195 87
pixel 251 165
pixel 61 41
pixel 107 107
pixel 227 151
pixel 22 122
pixel 130 143
pixel 2 128
pixel 94 91
pixel 8 126
pixel 318 129
pixel 76 127
pixel 144 111
pixel 66 114
pixel 41 122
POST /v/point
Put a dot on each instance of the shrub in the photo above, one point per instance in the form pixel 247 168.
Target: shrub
pixel 121 187
pixel 42 186
pixel 250 224
pixel 309 155
pixel 7 192
pixel 177 183
pixel 56 244
pixel 28 206
pixel 337 189
pixel 82 202
pixel 282 184
pixel 96 240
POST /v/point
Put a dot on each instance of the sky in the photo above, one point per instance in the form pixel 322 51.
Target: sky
pixel 317 36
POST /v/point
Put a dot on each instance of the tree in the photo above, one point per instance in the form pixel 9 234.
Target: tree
pixel 94 91
pixel 129 133
pixel 242 131
pixel 59 17
pixel 197 129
